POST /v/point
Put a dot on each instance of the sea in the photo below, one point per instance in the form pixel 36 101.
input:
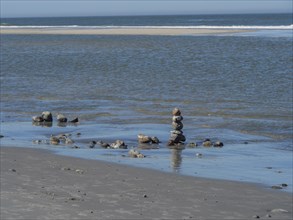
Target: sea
pixel 235 88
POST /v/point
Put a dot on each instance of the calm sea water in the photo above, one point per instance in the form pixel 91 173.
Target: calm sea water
pixel 234 88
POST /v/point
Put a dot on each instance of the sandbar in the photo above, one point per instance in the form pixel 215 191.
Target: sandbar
pixel 118 31
pixel 37 184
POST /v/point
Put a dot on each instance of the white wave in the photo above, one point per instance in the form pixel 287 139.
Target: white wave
pixel 280 27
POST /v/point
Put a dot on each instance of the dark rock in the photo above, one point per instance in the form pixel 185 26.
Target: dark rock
pixel 277 187
pixel 135 154
pixel 284 184
pixel 1 136
pixel 192 145
pixel 75 120
pixel 218 144
pixel 47 116
pixel 255 216
pixel 144 139
pixel 92 144
pixel 155 140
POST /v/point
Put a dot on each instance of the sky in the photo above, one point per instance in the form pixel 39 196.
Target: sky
pixel 54 8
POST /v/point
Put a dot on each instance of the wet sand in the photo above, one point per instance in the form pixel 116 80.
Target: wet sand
pixel 36 184
pixel 117 31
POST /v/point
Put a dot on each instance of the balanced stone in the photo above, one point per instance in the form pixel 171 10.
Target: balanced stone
pixel 177 125
pixel 176 136
pixel 176 112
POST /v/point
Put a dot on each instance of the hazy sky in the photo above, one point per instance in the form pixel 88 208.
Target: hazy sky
pixel 37 8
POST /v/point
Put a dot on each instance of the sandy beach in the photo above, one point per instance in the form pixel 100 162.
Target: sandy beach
pixel 117 31
pixel 37 184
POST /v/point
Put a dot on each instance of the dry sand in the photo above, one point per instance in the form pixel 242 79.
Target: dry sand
pixel 118 31
pixel 36 184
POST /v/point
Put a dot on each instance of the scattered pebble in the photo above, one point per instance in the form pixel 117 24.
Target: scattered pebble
pixel 145 196
pixel 1 136
pixel 256 216
pixel 284 184
pixel 198 155
pixel 79 171
pixel 12 170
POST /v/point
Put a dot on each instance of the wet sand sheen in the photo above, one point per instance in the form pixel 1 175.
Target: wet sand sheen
pixel 118 31
pixel 38 184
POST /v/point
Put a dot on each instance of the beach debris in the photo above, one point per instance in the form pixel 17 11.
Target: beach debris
pixel 1 136
pixel 118 144
pixel 144 139
pixel 176 136
pixel 61 118
pixel 135 154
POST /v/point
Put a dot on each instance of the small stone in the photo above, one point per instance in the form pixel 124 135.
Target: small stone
pixel 135 154
pixel 37 119
pixel 155 140
pixel 78 134
pixel 1 136
pixel 176 112
pixel 47 116
pixel 218 144
pixel 92 144
pixel 284 184
pixel 37 141
pixel 75 120
pixel 12 170
pixel 268 216
pixel 54 140
pixel 61 118
pixel 145 196
pixel 143 139
pixel 79 171
pixel 207 143
pixel 255 216
pixel 75 147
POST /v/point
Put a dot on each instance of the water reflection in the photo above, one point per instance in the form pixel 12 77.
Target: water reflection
pixel 176 159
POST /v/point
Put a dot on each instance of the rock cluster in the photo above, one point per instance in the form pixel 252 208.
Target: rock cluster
pixel 177 136
pixel 47 117
pixel 144 139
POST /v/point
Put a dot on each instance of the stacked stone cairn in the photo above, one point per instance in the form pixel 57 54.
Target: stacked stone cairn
pixel 177 136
